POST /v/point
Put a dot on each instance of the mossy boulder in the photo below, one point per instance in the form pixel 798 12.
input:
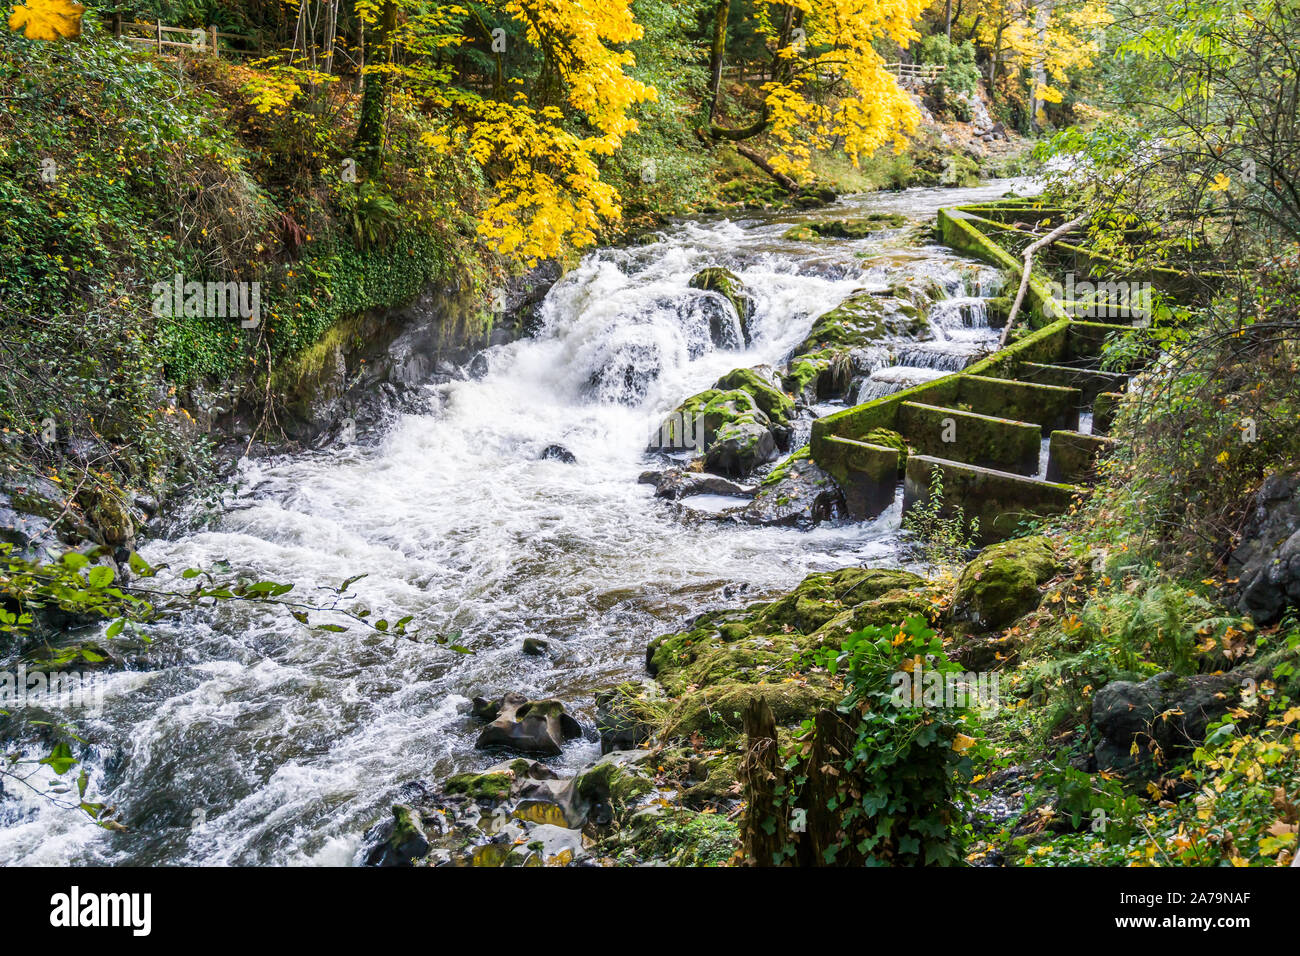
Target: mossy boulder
pixel 859 228
pixel 677 836
pixel 481 786
pixel 1001 583
pixel 728 285
pixel 864 319
pixel 715 712
pixel 761 384
pixel 765 641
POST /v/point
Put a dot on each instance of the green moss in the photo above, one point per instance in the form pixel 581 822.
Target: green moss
pixel 482 786
pixel 889 438
pixel 775 404
pixel 728 285
pixel 860 320
pixel 768 641
pixel 1001 584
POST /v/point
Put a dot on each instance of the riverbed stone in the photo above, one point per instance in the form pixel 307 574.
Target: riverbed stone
pixel 528 726
pixel 797 493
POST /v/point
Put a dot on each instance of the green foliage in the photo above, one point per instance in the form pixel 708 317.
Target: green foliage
pixel 946 539
pixel 1235 803
pixel 900 794
pixel 960 78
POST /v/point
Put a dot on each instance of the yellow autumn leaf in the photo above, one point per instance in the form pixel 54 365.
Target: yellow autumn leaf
pixel 962 742
pixel 47 19
pixel 1221 183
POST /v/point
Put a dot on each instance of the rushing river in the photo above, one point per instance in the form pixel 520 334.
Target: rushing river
pixel 243 737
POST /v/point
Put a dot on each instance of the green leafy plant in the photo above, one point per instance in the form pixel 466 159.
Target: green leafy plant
pixel 901 792
pixel 946 538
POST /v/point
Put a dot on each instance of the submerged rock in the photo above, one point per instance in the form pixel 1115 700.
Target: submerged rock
pixel 528 726
pixel 559 453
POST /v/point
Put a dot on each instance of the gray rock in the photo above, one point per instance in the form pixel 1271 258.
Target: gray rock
pixel 798 494
pixel 398 841
pixel 559 453
pixel 1267 561
pixel 675 485
pixel 1167 711
pixel 739 448
pixel 527 726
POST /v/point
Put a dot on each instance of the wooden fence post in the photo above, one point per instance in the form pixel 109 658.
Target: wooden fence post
pixel 117 24
pixel 158 36
pixel 212 38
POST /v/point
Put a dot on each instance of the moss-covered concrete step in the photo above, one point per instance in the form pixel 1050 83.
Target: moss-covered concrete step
pixel 1090 382
pixel 867 474
pixel 1049 406
pixel 971 438
pixel 1072 456
pixel 1104 407
pixel 999 500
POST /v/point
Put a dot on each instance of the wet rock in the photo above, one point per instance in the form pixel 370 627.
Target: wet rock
pixel 617 719
pixel 738 448
pixel 731 429
pixel 796 494
pixel 559 453
pixel 528 726
pixel 1267 560
pixel 535 646
pixel 726 284
pixel 399 841
pixel 860 228
pixel 764 386
pixel 675 485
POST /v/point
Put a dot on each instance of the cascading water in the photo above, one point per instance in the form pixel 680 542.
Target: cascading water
pixel 240 736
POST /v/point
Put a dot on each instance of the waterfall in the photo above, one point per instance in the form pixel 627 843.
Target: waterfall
pixel 239 736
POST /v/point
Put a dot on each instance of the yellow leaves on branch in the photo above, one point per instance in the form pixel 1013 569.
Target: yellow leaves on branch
pixel 548 191
pixel 47 19
pixel 833 46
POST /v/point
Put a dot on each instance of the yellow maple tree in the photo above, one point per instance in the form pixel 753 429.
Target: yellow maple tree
pixel 47 19
pixel 830 84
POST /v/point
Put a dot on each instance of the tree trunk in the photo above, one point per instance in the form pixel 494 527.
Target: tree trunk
pixel 788 184
pixel 374 94
pixel 763 830
pixel 718 55
pixel 833 742
pixel 1027 268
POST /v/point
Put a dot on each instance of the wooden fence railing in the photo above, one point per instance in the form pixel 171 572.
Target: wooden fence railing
pixel 193 39
pixel 919 71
